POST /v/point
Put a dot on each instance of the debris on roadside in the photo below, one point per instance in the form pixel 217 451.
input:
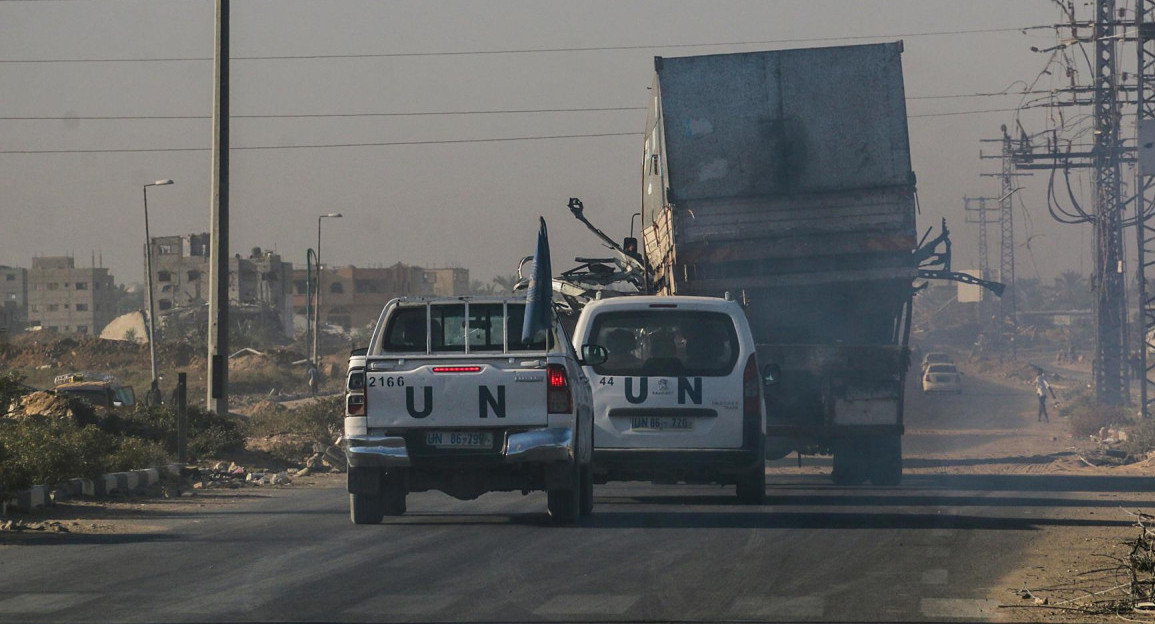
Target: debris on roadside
pixel 233 476
pixel 1125 586
pixel 17 526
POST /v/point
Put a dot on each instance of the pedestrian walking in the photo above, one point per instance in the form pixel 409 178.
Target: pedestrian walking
pixel 313 375
pixel 1042 388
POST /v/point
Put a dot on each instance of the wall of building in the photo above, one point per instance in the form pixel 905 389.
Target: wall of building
pixel 353 297
pixel 13 299
pixel 64 298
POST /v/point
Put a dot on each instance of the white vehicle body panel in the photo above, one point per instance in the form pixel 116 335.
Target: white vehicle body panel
pixel 668 412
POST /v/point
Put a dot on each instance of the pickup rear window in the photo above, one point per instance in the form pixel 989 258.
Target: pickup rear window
pixel 656 343
pixel 488 328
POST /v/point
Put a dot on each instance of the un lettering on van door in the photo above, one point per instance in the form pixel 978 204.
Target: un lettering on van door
pixel 638 390
pixel 488 401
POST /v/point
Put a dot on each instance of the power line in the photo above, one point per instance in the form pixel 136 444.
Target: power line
pixel 325 145
pixel 974 112
pixel 404 114
pixel 525 50
pixel 325 115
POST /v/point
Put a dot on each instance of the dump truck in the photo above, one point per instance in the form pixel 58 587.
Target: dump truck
pixel 784 178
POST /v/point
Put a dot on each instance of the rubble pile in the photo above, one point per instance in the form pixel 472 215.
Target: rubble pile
pixel 17 526
pixel 58 407
pixel 1110 449
pixel 233 476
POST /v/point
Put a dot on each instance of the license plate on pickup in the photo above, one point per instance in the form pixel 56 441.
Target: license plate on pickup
pixel 459 439
pixel 661 423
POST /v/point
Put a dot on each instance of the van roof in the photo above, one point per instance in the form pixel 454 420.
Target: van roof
pixel 463 298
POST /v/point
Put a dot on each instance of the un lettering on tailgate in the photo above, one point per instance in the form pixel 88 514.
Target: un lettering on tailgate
pixel 662 391
pixel 425 399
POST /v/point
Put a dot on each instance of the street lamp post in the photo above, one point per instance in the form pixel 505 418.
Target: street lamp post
pixel 317 310
pixel 153 396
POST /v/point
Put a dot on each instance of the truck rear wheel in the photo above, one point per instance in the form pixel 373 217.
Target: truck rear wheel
pixel 366 508
pixel 564 504
pixel 850 463
pixel 752 486
pixel 587 489
pixel 393 495
pixel 886 461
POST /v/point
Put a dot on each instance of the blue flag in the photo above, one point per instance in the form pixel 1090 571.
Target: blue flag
pixel 539 298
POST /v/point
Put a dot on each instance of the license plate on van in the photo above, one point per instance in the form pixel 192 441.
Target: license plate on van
pixel 661 423
pixel 459 439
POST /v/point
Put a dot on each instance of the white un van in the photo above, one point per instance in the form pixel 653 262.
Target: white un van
pixel 679 398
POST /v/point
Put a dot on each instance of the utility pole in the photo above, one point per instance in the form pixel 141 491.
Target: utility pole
pixel 218 344
pixel 1108 91
pixel 1110 312
pixel 1007 237
pixel 1008 309
pixel 1145 197
pixel 977 213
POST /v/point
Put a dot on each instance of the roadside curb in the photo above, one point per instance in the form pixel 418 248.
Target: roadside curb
pixel 39 496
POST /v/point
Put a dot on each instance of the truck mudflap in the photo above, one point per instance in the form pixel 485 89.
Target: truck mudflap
pixel 544 445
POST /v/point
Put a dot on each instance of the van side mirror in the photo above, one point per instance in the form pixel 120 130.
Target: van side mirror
pixel 593 355
pixel 359 351
pixel 771 374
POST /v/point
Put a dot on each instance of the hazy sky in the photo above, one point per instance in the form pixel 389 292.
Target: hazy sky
pixel 462 204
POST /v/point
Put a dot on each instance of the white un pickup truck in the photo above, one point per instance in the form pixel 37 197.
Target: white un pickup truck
pixel 448 397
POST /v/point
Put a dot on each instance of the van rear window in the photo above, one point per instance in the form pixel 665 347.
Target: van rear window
pixel 486 329
pixel 658 343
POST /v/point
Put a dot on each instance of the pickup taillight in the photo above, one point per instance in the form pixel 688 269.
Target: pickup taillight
pixel 558 397
pixel 355 396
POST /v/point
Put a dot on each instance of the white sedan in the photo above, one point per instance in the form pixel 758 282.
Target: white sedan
pixel 942 378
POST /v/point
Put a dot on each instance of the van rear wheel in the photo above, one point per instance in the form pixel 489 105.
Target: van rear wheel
pixel 752 487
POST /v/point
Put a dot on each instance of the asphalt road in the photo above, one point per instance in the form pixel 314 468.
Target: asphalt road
pixel 933 548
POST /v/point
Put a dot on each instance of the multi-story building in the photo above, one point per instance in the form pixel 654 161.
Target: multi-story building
pixel 263 279
pixel 65 298
pixel 353 297
pixel 180 273
pixel 13 299
pixel 449 282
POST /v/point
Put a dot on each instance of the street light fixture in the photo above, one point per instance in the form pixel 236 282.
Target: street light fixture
pixel 317 312
pixel 153 395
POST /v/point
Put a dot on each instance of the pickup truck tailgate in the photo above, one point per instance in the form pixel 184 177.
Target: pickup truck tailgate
pixel 467 392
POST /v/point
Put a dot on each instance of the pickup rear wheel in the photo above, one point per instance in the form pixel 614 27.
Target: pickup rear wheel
pixel 564 504
pixel 393 495
pixel 587 489
pixel 366 508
